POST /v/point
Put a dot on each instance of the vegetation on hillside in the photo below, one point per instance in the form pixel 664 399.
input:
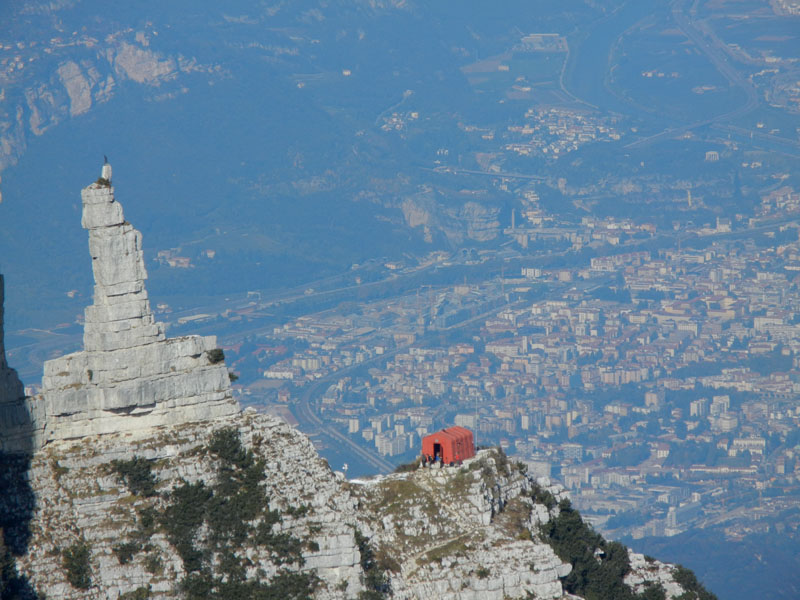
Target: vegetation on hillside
pixel 693 588
pixel 599 567
pixel 216 356
pixel 75 560
pixel 137 474
pixel 210 523
pixel 376 579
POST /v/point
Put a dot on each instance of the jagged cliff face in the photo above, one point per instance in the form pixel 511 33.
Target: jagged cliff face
pixel 129 375
pixel 72 76
pixel 463 533
pixel 458 221
pixel 168 516
pixel 304 520
pixel 449 533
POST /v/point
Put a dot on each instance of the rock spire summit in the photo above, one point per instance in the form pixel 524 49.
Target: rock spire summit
pixel 120 316
pixel 129 376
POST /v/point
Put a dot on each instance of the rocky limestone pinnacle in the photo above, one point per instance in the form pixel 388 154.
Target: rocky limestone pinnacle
pixel 129 376
pixel 120 316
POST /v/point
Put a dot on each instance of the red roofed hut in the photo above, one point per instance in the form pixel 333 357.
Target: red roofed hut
pixel 453 444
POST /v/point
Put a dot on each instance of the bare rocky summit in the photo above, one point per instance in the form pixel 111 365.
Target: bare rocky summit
pixel 123 516
pixel 303 519
pixel 462 533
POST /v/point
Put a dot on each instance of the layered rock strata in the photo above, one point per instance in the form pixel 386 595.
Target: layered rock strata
pixel 129 376
pixel 82 500
pixel 450 534
pixel 468 533
pixel 15 418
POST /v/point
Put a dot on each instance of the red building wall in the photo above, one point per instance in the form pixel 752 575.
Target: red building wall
pixel 452 444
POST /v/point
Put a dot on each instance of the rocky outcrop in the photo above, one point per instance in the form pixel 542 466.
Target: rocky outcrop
pixel 454 534
pixel 457 220
pixel 129 376
pixel 462 534
pixel 466 533
pixel 141 65
pixel 83 502
pixel 647 571
pixel 83 86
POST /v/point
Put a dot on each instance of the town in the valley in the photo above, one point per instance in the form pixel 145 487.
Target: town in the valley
pixel 655 381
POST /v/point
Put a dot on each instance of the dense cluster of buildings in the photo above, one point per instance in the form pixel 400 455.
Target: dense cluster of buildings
pixel 554 131
pixel 651 382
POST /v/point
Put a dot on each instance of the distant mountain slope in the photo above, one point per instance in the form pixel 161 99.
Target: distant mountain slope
pixel 263 133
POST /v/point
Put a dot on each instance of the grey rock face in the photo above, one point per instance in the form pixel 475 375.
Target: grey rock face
pixel 458 222
pixel 459 534
pixel 468 533
pixel 646 571
pixel 81 499
pixel 120 316
pixel 129 376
